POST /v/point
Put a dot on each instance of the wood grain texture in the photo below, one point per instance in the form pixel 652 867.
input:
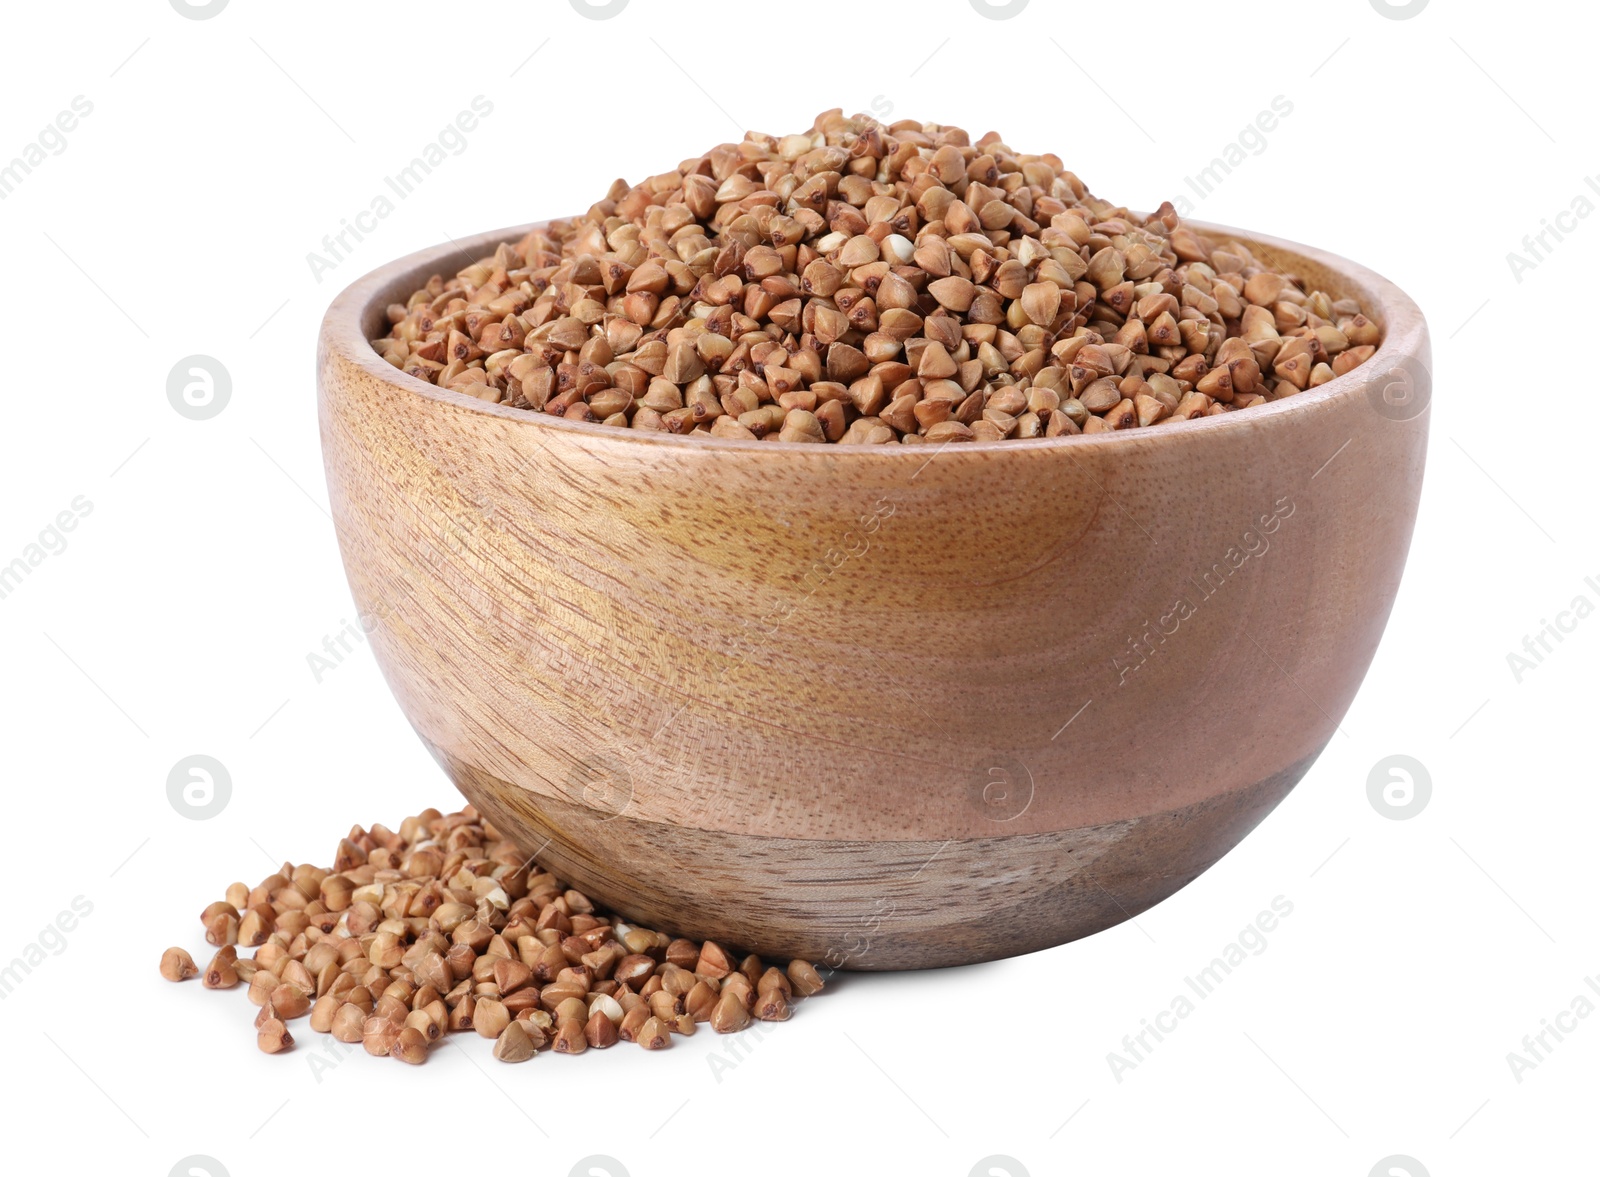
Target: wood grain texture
pixel 783 695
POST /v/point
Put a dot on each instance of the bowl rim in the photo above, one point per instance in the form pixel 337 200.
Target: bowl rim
pixel 1405 338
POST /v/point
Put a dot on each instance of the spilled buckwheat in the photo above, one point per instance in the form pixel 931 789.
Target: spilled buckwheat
pixel 871 283
pixel 445 926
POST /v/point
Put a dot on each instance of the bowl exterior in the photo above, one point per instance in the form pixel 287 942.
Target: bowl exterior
pixel 908 707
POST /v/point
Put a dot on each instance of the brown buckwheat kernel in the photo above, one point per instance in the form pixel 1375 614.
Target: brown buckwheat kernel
pixel 868 284
pixel 443 925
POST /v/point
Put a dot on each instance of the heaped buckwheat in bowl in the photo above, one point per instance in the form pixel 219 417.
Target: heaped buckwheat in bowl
pixel 872 284
pixel 900 703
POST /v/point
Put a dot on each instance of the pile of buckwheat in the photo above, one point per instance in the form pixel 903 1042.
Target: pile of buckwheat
pixel 445 925
pixel 871 283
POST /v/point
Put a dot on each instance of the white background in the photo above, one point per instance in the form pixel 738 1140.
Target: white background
pixel 177 620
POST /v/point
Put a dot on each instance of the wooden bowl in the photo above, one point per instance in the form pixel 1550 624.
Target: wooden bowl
pixel 880 706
